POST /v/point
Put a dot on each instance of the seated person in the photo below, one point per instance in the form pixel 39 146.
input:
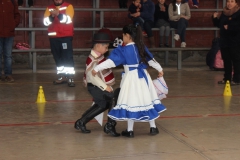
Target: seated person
pixel 134 8
pixel 179 14
pixel 161 19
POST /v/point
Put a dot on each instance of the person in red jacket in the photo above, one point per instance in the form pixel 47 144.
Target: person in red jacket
pixel 10 19
pixel 58 17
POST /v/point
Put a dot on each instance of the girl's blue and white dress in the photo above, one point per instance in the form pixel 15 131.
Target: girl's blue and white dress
pixel 138 98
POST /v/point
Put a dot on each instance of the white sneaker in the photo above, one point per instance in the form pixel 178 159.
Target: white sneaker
pixel 183 44
pixel 176 37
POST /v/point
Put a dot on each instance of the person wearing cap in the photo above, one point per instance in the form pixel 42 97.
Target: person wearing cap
pixel 98 86
pixel 58 17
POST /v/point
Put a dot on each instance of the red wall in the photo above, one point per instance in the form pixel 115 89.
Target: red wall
pixel 82 19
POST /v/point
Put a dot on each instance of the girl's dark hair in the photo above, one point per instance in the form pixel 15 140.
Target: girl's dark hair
pixel 136 34
pixel 174 4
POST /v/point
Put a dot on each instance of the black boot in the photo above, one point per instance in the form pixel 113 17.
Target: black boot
pixel 110 128
pixel 90 109
pixel 80 124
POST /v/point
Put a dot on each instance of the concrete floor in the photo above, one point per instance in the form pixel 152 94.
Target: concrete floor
pixel 199 124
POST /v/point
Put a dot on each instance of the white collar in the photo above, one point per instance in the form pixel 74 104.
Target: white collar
pixel 130 43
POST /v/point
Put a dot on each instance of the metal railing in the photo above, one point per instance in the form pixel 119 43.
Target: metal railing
pixel 33 51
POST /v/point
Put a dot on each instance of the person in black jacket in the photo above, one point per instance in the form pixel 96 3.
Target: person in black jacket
pixel 134 8
pixel 229 24
pixel 161 19
pixel 147 13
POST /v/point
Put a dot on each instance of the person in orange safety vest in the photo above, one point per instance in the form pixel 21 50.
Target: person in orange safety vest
pixel 58 18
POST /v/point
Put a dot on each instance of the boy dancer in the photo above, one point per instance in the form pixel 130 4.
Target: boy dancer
pixel 98 86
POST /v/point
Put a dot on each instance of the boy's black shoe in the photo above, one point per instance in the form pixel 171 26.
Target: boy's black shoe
pixel 129 134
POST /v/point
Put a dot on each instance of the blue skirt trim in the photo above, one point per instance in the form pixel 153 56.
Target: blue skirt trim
pixel 144 116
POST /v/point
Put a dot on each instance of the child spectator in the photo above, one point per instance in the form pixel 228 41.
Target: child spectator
pixel 134 8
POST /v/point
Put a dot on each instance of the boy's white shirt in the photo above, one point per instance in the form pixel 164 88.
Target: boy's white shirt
pixel 95 80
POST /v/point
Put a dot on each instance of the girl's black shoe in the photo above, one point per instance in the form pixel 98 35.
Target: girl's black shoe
pixel 154 131
pixel 129 134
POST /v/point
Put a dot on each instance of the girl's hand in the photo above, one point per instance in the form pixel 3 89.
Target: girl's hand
pixel 160 74
pixel 94 72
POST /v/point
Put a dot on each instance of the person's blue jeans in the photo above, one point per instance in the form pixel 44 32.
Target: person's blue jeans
pixel 6 44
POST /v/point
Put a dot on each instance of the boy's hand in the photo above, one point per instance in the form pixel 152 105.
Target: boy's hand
pixel 94 72
pixel 109 89
pixel 160 74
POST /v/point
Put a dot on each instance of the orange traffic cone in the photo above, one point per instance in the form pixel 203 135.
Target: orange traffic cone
pixel 41 97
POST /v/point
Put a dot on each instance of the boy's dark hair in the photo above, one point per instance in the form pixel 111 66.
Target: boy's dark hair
pixel 174 4
pixel 137 37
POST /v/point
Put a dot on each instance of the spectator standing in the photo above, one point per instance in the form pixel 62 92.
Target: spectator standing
pixel 10 19
pixel 58 17
pixel 179 14
pixel 229 24
pixel 161 19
